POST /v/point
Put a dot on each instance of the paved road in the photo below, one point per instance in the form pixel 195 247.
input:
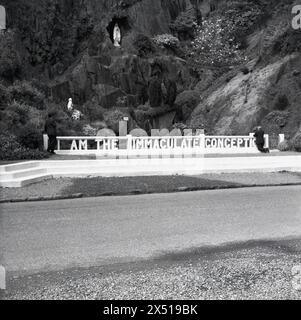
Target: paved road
pixel 55 235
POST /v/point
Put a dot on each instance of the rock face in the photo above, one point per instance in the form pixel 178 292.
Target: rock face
pixel 68 45
pixel 55 32
pixel 249 100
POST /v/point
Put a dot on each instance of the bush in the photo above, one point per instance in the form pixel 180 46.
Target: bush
pixel 281 103
pixel 244 16
pixel 185 103
pixel 184 26
pixel 167 41
pixel 297 142
pixel 11 149
pixel 25 92
pixel 112 118
pixel 284 146
pixel 143 45
pixel 93 111
pixel 88 130
pixel 31 137
pixel 213 45
pixel 17 115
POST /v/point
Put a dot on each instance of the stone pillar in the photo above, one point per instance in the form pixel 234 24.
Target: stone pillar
pixel 2 18
pixel 123 131
pixel 2 278
pixel 266 141
pixel 45 141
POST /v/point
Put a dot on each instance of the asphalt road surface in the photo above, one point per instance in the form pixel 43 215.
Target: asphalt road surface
pixel 56 235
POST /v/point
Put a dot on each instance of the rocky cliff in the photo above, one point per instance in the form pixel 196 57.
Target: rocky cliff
pixel 67 47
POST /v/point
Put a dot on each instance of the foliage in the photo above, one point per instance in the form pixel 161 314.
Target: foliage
pixel 143 45
pixel 243 16
pixel 284 146
pixel 66 126
pixel 276 119
pixel 288 43
pixel 213 45
pixel 184 26
pixel 186 102
pixel 30 137
pixel 25 92
pixel 17 115
pixel 88 130
pixel 10 61
pixel 297 142
pixel 25 122
pixel 93 111
pixel 281 103
pixel 11 149
pixel 112 118
pixel 167 41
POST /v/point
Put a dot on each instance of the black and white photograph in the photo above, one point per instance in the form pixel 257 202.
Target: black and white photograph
pixel 150 151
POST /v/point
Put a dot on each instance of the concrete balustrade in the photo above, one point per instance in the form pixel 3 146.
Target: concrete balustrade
pixel 158 146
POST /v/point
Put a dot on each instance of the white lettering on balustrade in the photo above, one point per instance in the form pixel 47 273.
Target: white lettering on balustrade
pixel 82 145
pixel 166 143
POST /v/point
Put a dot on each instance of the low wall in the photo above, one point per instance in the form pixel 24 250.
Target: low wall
pixel 154 146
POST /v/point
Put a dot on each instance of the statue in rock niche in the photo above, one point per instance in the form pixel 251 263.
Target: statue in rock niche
pixel 2 18
pixel 70 105
pixel 117 35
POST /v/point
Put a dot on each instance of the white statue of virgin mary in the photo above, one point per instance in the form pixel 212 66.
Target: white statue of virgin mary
pixel 117 35
pixel 70 105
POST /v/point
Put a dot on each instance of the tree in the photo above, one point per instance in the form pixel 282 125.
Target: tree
pixel 214 46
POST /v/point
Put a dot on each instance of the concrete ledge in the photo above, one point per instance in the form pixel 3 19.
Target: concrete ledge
pixel 18 175
pixel 34 199
pixel 141 192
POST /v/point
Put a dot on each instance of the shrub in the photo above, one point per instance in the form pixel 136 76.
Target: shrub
pixel 244 16
pixel 167 41
pixel 186 102
pixel 31 137
pixel 93 111
pixel 17 115
pixel 281 103
pixel 213 46
pixel 25 92
pixel 112 118
pixel 88 130
pixel 143 45
pixel 297 142
pixel 184 26
pixel 284 146
pixel 11 149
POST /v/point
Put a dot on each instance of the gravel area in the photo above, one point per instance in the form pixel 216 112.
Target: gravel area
pixel 261 271
pixel 47 188
pixel 258 178
pixel 141 185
